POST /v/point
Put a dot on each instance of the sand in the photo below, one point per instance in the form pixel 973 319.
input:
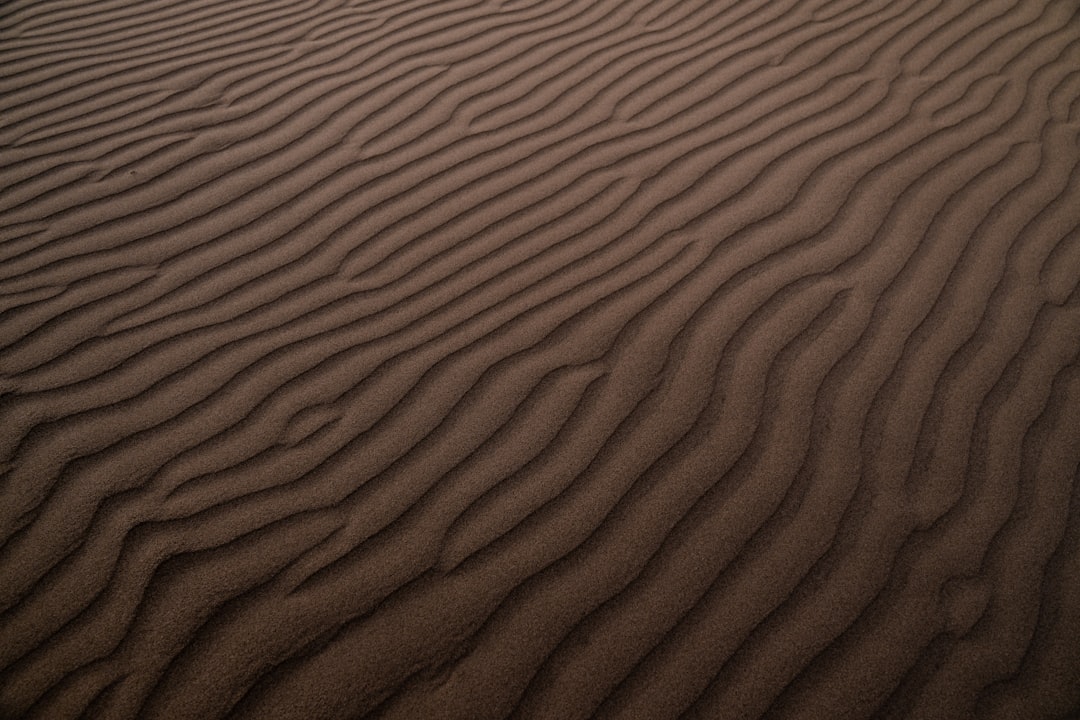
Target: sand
pixel 540 359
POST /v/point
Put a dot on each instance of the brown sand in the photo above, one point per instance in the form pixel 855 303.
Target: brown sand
pixel 540 358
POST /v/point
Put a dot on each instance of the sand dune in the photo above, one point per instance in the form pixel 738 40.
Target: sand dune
pixel 540 359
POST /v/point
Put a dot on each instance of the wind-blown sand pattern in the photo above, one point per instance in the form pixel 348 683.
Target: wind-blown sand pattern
pixel 540 359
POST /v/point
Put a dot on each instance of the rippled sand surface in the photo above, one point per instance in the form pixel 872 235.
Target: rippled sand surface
pixel 467 359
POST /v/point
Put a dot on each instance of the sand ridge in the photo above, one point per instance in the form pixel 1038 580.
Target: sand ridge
pixel 540 359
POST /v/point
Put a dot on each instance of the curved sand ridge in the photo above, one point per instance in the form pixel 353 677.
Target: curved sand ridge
pixel 540 358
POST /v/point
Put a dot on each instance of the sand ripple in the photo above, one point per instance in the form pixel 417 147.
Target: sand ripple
pixel 539 359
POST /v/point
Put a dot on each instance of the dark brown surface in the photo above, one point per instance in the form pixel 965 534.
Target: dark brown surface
pixel 540 358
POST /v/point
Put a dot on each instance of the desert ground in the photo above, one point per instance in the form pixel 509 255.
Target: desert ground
pixel 481 359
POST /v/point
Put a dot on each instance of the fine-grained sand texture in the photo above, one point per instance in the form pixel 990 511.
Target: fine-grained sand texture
pixel 640 359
